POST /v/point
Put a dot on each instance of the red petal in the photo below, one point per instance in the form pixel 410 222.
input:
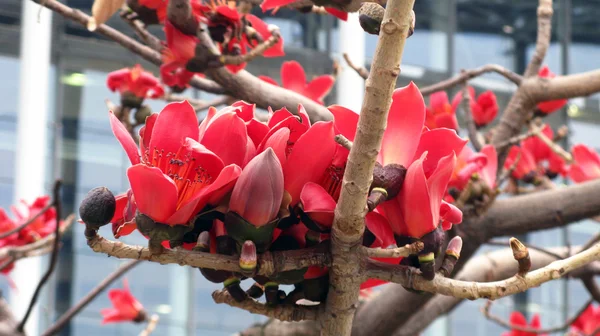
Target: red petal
pixel 516 318
pixel 278 142
pixel 319 87
pixel 125 229
pixel 489 171
pixel 244 110
pixel 319 145
pixel 458 98
pixel 210 162
pixel 230 13
pixel 256 131
pixel 404 126
pixel 438 182
pixel 146 132
pixel 279 116
pixel 268 80
pixel 449 214
pixel 446 120
pixel 210 114
pixel 116 79
pixel 393 213
pixel 155 193
pixel 379 226
pixel 293 76
pixel 438 101
pixel 337 13
pixel 587 160
pixel 175 123
pixel 121 203
pixel 416 203
pixel 372 283
pixel 233 149
pixel 270 4
pixel 182 46
pixel 438 143
pixel 124 138
pixel 345 121
pixel 317 203
pixel 296 128
pixel 263 29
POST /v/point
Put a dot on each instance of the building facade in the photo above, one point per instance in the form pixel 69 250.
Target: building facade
pixel 450 35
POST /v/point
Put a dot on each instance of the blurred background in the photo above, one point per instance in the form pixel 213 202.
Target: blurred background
pixel 75 140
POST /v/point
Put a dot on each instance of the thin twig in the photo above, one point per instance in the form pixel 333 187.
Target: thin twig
pixel 544 33
pixel 553 145
pixel 360 70
pixel 343 141
pixel 75 309
pixel 56 202
pixel 282 312
pixel 253 53
pixel 486 312
pixel 152 323
pixel 504 243
pixel 141 31
pixel 29 221
pixel 404 251
pixel 407 276
pixel 508 172
pixel 470 74
pixel 517 139
pixel 471 127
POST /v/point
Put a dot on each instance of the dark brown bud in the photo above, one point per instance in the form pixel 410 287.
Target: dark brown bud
pixel 232 285
pixel 255 291
pixel 141 114
pixel 433 241
pixel 370 17
pixel 452 256
pixel 98 207
pixel 305 9
pixel 521 255
pixel 389 177
pixel 272 293
pixel 129 100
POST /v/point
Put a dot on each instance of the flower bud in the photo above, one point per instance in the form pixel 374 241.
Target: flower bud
pixel 232 285
pixel 370 17
pixel 258 192
pixel 255 291
pixel 98 207
pixel 248 258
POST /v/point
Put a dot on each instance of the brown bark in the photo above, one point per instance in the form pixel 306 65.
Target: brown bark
pixel 348 225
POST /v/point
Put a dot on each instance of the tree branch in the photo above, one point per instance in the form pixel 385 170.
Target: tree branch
pixel 563 87
pixel 466 75
pixel 282 312
pixel 348 225
pixel 544 33
pixel 269 263
pixel 407 277
pixel 360 70
pixel 89 297
pixel 404 251
pixel 472 129
pixel 152 323
pixel 252 54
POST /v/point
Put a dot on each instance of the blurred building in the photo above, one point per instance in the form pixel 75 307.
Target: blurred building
pixel 451 35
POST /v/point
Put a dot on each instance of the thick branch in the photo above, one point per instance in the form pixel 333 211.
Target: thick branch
pixel 466 75
pixel 281 312
pixel 348 225
pixel 544 33
pixel 269 263
pixel 403 251
pixel 475 290
pixel 563 87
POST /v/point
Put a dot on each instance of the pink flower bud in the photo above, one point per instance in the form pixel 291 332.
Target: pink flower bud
pixel 258 192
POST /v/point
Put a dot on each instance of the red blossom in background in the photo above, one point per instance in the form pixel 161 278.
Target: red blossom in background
pixel 517 319
pixel 136 81
pixel 276 4
pixel 587 322
pixel 126 308
pixel 484 163
pixel 293 78
pixel 525 167
pixel 484 108
pixel 179 50
pixel 549 106
pixel 440 113
pixel 160 6
pixel 176 176
pixel 547 160
pixel 586 164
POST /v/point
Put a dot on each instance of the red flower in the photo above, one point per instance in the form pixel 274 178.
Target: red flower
pixel 160 6
pixel 484 163
pixel 258 193
pixel 136 81
pixel 517 319
pixel 586 164
pixel 180 49
pixel 275 4
pixel 525 168
pixel 484 108
pixel 440 113
pixel 549 106
pixel 123 221
pixel 587 322
pixel 176 176
pixel 125 307
pixel 546 159
pixel 293 78
pixel 40 228
pixel 430 158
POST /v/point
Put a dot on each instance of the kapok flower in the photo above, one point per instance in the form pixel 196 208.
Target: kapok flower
pixel 549 106
pixel 517 319
pixel 135 81
pixel 440 113
pixel 126 308
pixel 484 164
pixel 160 6
pixel 293 78
pixel 176 176
pixel 42 226
pixel 587 322
pixel 548 161
pixel 180 49
pixel 275 4
pixel 258 193
pixel 484 108
pixel 525 167
pixel 586 164
pixel 123 221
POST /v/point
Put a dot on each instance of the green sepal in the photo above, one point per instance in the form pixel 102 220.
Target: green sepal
pixel 241 230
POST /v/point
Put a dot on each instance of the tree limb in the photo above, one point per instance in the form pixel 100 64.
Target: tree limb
pixel 544 33
pixel 269 263
pixel 403 251
pixel 471 127
pixel 348 225
pixel 360 70
pixel 466 75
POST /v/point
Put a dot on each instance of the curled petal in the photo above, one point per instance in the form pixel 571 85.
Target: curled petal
pixel 124 138
pixel 317 203
pixel 293 76
pixel 155 193
pixel 345 121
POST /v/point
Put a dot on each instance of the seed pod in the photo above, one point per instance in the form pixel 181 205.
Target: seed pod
pixel 232 285
pixel 255 291
pixel 370 17
pixel 272 293
pixel 98 207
